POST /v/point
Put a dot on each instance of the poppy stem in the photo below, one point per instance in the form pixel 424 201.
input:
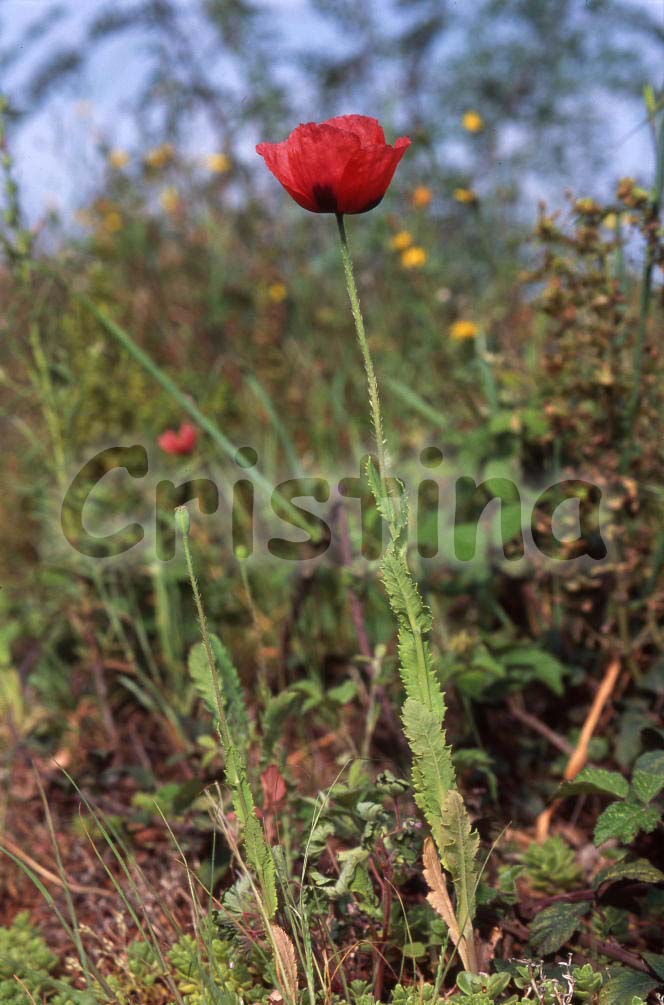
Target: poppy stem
pixel 372 383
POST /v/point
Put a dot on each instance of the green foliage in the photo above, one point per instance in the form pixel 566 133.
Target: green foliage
pixel 212 970
pixel 634 811
pixel 554 926
pixel 648 776
pixel 626 985
pixel 26 958
pixel 258 851
pixel 624 821
pixel 549 386
pixel 423 715
pixel 229 686
pixel 597 781
pixel 526 982
pixel 638 870
pixel 551 866
pixel 24 954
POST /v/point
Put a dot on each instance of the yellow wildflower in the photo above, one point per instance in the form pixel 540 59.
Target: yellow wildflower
pixel 118 158
pixel 465 195
pixel 159 157
pixel 169 198
pixel 473 121
pixel 277 292
pixel 218 163
pixel 422 196
pixel 414 258
pixel 463 329
pixel 113 222
pixel 611 221
pixel 402 240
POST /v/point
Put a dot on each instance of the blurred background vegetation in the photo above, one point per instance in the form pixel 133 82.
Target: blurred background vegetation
pixel 524 344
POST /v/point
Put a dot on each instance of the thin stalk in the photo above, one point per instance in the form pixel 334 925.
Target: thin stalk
pixel 435 786
pixel 372 383
pixel 379 436
pixel 182 519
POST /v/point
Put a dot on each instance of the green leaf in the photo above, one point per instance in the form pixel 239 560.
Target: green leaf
pixel 351 859
pixel 343 693
pixel 638 870
pixel 596 781
pixel 648 775
pixel 621 988
pixel 624 821
pixel 229 686
pixel 656 963
pixel 274 716
pixel 414 950
pixel 555 925
pixel 433 771
pixel 458 845
pixel 395 507
pixel 540 665
pixel 258 852
pixel 414 620
pixel 404 595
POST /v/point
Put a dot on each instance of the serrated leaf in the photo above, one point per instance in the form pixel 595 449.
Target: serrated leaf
pixel 438 896
pixel 638 870
pixel 286 963
pixel 458 845
pixel 624 821
pixel 394 507
pixel 404 595
pixel 621 988
pixel 648 775
pixel 259 856
pixel 220 684
pixel 439 899
pixel 597 781
pixel 555 925
pixel 229 686
pixel 433 771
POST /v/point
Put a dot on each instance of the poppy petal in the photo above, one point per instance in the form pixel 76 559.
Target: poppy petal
pixel 318 157
pixel 168 441
pixel 367 129
pixel 188 437
pixel 278 162
pixel 368 175
pixel 340 166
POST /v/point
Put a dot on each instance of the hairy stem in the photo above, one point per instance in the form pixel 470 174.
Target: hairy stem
pixel 372 383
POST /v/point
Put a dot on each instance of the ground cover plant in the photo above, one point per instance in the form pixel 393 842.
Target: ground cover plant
pixel 332 650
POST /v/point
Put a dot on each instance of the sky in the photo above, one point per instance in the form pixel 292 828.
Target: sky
pixel 56 152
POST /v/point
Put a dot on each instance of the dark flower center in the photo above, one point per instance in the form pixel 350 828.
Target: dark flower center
pixel 325 198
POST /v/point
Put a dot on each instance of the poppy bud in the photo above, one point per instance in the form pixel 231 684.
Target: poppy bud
pixel 181 442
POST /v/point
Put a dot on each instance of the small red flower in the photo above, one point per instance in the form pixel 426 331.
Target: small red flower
pixel 181 442
pixel 343 165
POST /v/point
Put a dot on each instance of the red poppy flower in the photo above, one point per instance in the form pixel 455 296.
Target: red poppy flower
pixel 341 166
pixel 181 442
